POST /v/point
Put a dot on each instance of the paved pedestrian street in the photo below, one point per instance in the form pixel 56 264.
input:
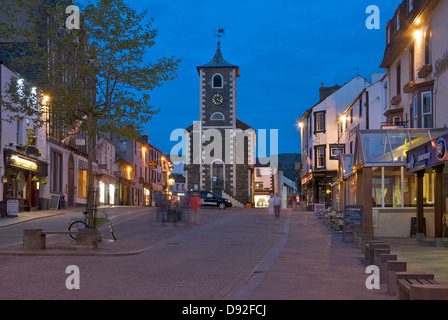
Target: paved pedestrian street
pixel 175 262
pixel 235 254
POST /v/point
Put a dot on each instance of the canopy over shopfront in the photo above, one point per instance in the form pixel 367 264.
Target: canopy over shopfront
pixel 429 157
pixel 381 183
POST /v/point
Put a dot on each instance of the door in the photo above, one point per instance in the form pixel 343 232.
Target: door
pixel 71 181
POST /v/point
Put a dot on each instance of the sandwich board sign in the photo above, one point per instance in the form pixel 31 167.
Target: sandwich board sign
pixel 353 217
pixel 319 209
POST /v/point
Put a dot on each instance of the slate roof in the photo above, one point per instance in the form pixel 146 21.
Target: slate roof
pixel 218 61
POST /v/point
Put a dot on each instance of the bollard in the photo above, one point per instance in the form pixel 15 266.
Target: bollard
pixel 383 259
pixel 392 268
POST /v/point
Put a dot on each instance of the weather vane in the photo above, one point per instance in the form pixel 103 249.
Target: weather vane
pixel 220 34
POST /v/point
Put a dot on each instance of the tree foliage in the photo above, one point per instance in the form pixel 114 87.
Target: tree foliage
pixel 98 77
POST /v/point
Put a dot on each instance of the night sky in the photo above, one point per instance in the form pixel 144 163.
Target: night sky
pixel 284 49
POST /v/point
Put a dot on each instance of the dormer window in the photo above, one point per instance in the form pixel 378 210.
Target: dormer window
pixel 217 81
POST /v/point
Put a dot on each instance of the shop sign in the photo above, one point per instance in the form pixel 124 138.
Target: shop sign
pixel 427 155
pixel 152 164
pixel 23 163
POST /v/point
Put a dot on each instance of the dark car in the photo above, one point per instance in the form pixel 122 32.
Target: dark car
pixel 210 199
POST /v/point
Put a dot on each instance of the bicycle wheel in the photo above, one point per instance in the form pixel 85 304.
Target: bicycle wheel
pixel 76 226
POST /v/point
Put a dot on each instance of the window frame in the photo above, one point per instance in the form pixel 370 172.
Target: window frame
pixel 213 81
pixel 218 114
pixel 317 156
pixel 425 114
pixel 317 129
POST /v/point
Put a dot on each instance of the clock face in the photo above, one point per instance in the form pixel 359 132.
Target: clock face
pixel 217 99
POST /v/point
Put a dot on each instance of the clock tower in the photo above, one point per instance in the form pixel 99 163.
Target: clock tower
pixel 221 147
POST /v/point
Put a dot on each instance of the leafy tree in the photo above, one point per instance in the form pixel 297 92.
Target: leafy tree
pixel 95 78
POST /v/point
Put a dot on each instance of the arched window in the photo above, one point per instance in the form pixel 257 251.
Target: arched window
pixel 217 81
pixel 217 116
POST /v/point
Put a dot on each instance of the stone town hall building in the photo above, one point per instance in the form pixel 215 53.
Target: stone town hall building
pixel 220 147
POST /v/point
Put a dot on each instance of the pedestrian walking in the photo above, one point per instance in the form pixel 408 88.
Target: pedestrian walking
pixel 162 207
pixel 195 206
pixel 185 208
pixel 277 205
pixel 271 206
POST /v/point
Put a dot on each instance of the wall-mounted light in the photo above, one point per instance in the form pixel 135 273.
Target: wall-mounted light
pixel 418 35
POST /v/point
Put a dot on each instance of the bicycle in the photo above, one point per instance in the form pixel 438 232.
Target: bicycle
pixel 82 223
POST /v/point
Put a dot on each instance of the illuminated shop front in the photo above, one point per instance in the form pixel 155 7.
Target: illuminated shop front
pixel 379 180
pixel 430 160
pixel 23 179
pixel 261 200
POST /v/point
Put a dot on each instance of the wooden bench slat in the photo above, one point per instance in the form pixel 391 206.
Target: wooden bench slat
pixel 57 232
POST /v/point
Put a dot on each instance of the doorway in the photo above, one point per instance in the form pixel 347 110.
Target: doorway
pixel 71 181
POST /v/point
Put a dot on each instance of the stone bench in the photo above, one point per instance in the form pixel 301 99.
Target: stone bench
pixel 35 239
pixel 417 286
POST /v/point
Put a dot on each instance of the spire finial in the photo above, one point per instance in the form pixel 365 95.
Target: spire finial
pixel 220 34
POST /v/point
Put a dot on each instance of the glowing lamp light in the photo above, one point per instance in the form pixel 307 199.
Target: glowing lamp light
pixel 418 35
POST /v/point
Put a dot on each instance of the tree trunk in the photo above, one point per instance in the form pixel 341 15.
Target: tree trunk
pixel 90 185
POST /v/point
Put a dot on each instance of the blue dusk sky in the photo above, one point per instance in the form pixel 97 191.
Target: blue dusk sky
pixel 285 49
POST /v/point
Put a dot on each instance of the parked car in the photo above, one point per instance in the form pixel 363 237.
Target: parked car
pixel 210 199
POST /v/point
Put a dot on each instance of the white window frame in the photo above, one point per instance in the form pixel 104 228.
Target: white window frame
pixel 425 114
pixel 415 116
pixel 320 125
pixel 213 81
pixel 320 157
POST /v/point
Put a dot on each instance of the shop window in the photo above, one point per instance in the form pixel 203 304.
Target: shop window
pixel 82 183
pixel 428 189
pixel 409 190
pixel 351 190
pixel 392 187
pixel 377 189
pixel 426 110
pixel 217 81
